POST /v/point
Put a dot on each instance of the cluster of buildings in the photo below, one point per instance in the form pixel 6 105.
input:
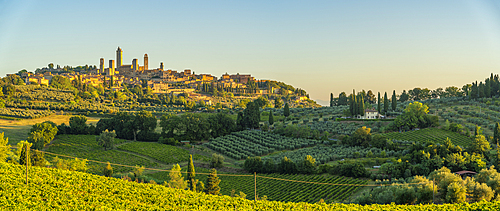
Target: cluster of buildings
pixel 160 80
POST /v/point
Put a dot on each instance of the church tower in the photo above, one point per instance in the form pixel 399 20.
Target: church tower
pixel 145 61
pixel 119 58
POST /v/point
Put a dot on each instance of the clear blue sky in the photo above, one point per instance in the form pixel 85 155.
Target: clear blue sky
pixel 319 46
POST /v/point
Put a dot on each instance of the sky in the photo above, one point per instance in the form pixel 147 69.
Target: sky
pixel 322 47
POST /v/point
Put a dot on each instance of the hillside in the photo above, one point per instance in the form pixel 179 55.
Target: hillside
pixel 54 189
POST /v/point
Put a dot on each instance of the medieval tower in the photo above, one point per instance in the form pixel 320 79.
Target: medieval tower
pixel 101 66
pixel 145 61
pixel 111 67
pixel 119 58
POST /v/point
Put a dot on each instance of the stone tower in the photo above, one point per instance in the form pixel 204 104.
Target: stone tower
pixel 101 66
pixel 119 57
pixel 145 61
pixel 111 67
pixel 161 65
pixel 135 66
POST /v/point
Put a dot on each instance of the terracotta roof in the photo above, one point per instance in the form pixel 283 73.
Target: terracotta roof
pixel 465 172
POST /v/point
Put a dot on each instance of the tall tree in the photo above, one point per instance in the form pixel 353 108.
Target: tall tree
pixel 378 103
pixel 286 110
pixel 496 134
pixel 342 99
pixel 25 150
pixel 106 139
pixel 251 115
pixel 191 174
pixel 221 124
pixel 212 183
pixel 404 96
pixel 386 103
pixel 108 170
pixel 370 97
pixel 394 101
pixel 361 106
pixel 240 123
pixel 271 118
pixel 331 99
pixel 176 179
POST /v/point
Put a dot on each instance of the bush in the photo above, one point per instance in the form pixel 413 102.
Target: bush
pixel 148 136
pixel 217 161
pixel 350 170
pixel 169 141
pixel 253 164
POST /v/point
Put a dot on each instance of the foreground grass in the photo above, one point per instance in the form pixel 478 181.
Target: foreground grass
pixel 55 189
pixel 85 146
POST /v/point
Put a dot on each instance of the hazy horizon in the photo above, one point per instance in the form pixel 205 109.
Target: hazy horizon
pixel 322 47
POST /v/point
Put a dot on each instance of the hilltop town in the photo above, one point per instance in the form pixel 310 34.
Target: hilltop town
pixel 161 81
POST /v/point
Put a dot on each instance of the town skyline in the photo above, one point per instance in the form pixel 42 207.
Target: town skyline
pixel 323 48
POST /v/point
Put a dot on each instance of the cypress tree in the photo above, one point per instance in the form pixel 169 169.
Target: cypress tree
pixel 271 118
pixel 478 131
pixel 378 103
pixel 108 170
pixel 351 105
pixel 496 134
pixel 212 183
pixel 331 99
pixel 394 101
pixel 240 123
pixel 286 110
pixel 361 106
pixel 191 175
pixel 487 88
pixel 23 156
pixel 386 103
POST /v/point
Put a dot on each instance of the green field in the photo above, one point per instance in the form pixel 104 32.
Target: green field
pixel 85 146
pixel 281 190
pixel 430 134
pixel 161 152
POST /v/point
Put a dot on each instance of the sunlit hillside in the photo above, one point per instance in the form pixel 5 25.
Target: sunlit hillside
pixel 50 189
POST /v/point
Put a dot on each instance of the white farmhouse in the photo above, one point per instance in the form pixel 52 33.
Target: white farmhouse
pixel 370 114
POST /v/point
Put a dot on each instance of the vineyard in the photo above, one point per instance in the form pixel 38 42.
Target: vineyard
pixel 430 134
pixel 161 152
pixel 325 154
pixel 85 146
pixel 240 145
pixel 55 189
pixel 286 191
